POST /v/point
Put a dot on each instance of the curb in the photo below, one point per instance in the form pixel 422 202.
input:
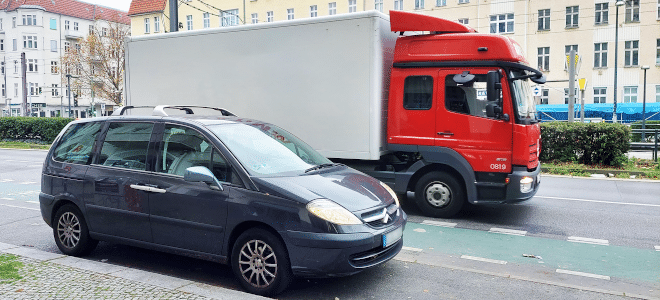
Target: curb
pixel 145 277
pixel 600 178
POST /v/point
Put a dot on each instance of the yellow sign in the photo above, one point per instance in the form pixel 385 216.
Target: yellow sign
pixel 583 83
pixel 568 59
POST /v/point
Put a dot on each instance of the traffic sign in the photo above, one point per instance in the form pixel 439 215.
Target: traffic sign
pixel 537 91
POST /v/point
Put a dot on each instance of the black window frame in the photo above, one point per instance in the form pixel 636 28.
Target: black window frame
pixel 421 106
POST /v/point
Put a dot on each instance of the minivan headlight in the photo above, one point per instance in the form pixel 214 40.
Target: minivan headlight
pixel 332 212
pixel 391 191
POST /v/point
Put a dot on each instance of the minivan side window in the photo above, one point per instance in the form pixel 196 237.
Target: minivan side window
pixel 76 144
pixel 418 92
pixel 184 147
pixel 125 145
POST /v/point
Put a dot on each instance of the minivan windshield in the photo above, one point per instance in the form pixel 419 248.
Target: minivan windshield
pixel 523 97
pixel 265 149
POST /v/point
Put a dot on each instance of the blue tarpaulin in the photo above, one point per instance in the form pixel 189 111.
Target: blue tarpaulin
pixel 626 112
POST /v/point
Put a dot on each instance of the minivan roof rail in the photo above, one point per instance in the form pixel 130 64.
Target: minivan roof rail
pixel 159 110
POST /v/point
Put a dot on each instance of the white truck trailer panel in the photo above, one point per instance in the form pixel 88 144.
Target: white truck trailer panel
pixel 324 79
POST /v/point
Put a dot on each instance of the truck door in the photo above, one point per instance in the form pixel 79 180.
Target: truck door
pixel 462 124
pixel 411 112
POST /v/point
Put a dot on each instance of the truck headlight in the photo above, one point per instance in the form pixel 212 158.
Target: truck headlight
pixel 526 184
pixel 332 212
pixel 389 189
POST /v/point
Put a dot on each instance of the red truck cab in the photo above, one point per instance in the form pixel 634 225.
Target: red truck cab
pixel 461 113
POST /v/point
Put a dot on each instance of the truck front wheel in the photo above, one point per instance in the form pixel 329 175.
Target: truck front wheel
pixel 439 195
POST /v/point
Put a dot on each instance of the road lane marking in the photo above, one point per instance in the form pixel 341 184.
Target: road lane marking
pixel 600 201
pixel 438 223
pixel 488 260
pixel 7 199
pixel 577 239
pixel 508 231
pixel 37 202
pixel 14 206
pixel 657 248
pixel 422 230
pixel 27 182
pixel 583 274
pixel 412 249
pixel 6 180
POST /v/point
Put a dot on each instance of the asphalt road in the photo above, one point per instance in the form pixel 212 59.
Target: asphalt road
pixel 458 258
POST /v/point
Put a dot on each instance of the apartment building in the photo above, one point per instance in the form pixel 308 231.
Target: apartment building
pixel 546 30
pixel 44 30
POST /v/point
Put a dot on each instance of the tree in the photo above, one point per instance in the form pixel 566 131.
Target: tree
pixel 97 62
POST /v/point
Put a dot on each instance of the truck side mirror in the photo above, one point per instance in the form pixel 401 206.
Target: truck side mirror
pixel 493 86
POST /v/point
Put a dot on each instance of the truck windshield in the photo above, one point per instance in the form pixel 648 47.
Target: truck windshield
pixel 523 97
pixel 264 149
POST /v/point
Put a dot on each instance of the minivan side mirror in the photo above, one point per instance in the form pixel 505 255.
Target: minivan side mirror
pixel 203 174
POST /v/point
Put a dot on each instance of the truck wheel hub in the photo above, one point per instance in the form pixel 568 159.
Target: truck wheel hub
pixel 438 194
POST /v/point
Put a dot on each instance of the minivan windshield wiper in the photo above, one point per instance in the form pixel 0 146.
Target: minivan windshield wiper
pixel 321 166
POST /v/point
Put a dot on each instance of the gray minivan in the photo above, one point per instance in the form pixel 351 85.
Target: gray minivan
pixel 217 187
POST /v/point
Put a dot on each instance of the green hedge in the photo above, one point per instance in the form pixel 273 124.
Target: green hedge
pixel 586 143
pixel 43 130
pixel 637 136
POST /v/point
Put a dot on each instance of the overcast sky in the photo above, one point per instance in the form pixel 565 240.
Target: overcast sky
pixel 116 4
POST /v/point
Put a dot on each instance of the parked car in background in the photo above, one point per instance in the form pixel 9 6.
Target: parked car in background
pixel 218 187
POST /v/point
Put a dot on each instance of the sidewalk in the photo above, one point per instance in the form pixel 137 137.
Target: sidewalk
pixel 49 276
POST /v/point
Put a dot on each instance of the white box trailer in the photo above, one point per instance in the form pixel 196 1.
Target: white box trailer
pixel 324 79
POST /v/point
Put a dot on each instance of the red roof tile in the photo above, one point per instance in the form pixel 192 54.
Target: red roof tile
pixel 71 8
pixel 146 6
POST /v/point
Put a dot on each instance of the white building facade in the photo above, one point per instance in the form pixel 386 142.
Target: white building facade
pixel 43 31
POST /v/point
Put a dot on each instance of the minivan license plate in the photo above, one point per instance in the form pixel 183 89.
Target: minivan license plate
pixel 392 237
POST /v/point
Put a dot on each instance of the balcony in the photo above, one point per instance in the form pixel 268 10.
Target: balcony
pixel 73 34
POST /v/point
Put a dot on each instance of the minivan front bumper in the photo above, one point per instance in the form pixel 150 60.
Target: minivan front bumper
pixel 336 255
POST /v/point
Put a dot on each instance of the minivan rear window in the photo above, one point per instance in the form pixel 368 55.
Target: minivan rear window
pixel 125 145
pixel 76 144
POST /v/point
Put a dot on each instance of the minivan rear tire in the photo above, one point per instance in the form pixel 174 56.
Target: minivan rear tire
pixel 259 252
pixel 71 232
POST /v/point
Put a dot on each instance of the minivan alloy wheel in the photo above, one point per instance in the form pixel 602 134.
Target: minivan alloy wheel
pixel 258 263
pixel 68 230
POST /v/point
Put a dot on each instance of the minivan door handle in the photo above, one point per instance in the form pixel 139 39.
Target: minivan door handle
pixel 445 133
pixel 148 188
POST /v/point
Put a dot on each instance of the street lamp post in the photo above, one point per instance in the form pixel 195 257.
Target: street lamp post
pixel 644 104
pixel 616 54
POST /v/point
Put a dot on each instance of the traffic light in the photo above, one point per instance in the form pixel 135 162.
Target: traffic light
pixel 39 91
pixel 75 100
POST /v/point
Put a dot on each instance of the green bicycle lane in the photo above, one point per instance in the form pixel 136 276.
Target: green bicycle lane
pixel 605 260
pixel 19 191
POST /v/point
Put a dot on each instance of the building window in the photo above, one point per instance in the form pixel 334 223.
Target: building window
pixel 378 5
pixel 545 96
pixel 2 44
pixel 313 11
pixel 53 24
pixel 30 41
pixel 75 26
pixel 600 55
pixel 631 53
pixel 657 93
pixel 658 17
pixel 629 94
pixel 501 23
pixel 289 14
pixel 2 67
pixel 29 20
pixel 156 24
pixel 419 4
pixel 34 89
pixel 332 8
pixel 66 46
pixel 207 19
pixel 77 48
pixel 572 14
pixel 56 91
pixel 53 45
pixel 15 89
pixel 189 25
pixel 13 22
pixel 15 44
pixel 602 11
pixel 146 25
pixel 352 6
pixel 53 67
pixel 463 1
pixel 600 94
pixel 229 17
pixel 568 48
pixel 255 19
pixel 544 58
pixel 657 51
pixel 566 95
pixel 66 24
pixel 398 4
pixel 269 16
pixel 632 10
pixel 4 92
pixel 444 2
pixel 91 29
pixel 464 21
pixel 544 19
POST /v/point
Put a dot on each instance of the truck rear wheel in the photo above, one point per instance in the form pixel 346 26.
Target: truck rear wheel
pixel 439 195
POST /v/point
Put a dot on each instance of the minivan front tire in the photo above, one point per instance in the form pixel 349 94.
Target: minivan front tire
pixel 71 232
pixel 261 263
